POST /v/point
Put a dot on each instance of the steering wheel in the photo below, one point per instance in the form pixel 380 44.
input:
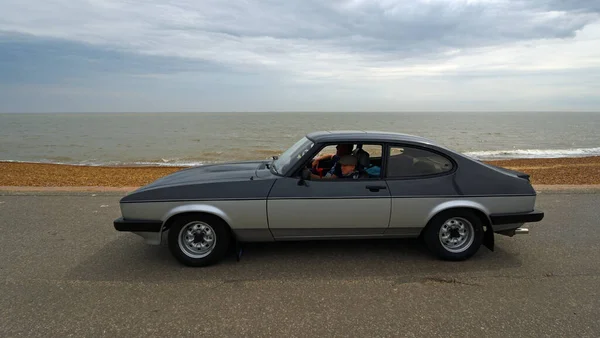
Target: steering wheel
pixel 319 171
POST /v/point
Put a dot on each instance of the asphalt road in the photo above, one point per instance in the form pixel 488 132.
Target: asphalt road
pixel 65 271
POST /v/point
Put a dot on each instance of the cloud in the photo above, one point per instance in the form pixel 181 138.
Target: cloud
pixel 25 59
pixel 349 48
pixel 275 33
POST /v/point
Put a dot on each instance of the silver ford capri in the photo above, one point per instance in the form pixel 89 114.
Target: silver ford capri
pixel 369 185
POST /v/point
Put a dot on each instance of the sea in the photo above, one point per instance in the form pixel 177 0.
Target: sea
pixel 187 139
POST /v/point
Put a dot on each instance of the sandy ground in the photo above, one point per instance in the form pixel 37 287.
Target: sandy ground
pixel 65 271
pixel 562 171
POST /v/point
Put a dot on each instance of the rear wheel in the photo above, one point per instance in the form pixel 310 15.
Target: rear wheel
pixel 198 240
pixel 454 235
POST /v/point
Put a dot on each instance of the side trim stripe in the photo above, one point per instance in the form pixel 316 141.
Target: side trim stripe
pixel 398 196
pixel 321 198
pixel 198 200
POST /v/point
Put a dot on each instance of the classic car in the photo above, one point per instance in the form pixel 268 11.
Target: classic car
pixel 393 186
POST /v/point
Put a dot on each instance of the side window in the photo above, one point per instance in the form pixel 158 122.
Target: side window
pixel 374 150
pixel 414 162
pixel 327 150
pixel 367 161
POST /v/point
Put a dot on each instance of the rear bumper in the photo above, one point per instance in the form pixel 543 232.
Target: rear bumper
pixel 516 218
pixel 136 225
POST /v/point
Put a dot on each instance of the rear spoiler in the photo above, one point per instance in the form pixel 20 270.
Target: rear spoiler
pixel 512 172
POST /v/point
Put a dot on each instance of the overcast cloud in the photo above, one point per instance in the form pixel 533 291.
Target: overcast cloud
pixel 299 55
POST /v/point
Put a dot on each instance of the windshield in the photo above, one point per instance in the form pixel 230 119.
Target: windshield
pixel 290 156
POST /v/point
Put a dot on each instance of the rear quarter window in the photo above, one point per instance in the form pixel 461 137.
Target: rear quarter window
pixel 416 162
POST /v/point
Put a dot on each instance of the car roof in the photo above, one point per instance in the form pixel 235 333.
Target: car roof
pixel 365 135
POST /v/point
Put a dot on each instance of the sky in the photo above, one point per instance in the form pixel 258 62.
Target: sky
pixel 299 55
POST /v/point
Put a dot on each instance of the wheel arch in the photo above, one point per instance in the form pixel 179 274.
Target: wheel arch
pixel 200 209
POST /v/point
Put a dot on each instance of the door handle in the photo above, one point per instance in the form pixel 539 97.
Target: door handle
pixel 375 188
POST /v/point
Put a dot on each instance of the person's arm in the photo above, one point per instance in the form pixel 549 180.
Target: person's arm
pixel 326 157
pixel 321 158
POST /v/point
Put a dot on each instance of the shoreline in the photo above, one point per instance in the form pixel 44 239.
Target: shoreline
pixel 564 171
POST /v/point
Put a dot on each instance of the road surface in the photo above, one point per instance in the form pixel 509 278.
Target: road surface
pixel 65 271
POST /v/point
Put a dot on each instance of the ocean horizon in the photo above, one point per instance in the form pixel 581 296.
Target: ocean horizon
pixel 196 138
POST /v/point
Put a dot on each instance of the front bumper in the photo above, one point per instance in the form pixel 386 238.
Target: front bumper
pixel 516 218
pixel 137 225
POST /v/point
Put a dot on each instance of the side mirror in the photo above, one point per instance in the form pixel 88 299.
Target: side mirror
pixel 304 176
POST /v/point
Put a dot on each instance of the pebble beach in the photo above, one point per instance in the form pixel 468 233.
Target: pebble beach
pixel 552 171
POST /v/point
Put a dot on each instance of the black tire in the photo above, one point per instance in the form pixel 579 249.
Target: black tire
pixel 184 254
pixel 433 241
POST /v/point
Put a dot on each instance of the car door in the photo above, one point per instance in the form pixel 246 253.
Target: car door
pixel 328 208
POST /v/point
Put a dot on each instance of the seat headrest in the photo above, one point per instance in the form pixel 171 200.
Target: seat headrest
pixel 362 157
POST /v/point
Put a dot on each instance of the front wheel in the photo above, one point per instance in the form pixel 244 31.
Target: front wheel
pixel 198 240
pixel 454 235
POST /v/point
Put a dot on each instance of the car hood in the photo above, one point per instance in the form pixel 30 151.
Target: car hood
pixel 232 171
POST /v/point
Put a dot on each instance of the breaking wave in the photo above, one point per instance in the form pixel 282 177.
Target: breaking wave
pixel 119 163
pixel 534 153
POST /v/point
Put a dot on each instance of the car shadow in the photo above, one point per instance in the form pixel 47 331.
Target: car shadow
pixel 126 259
